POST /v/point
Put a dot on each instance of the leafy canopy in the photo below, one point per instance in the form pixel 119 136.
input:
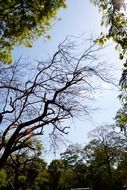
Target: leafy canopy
pixel 116 23
pixel 23 21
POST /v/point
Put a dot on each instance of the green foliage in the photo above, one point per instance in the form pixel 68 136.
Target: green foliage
pixel 3 179
pixel 24 21
pixel 101 164
pixel 101 41
pixel 25 168
pixel 123 82
pixel 121 115
pixel 37 175
pixel 121 118
pixel 42 180
pixel 116 22
pixel 102 156
pixel 55 170
pixel 67 179
pixel 122 169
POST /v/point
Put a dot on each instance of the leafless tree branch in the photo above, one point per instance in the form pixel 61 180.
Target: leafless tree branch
pixel 48 94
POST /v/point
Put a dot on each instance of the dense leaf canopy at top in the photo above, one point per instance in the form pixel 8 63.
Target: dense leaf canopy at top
pixel 22 21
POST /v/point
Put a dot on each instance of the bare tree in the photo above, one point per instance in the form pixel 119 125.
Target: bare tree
pixel 43 96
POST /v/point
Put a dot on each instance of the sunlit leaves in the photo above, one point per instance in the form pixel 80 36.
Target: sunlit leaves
pixel 24 21
pixel 102 40
pixel 115 22
pixel 121 119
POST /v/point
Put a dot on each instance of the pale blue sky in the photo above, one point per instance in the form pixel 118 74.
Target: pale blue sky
pixel 80 17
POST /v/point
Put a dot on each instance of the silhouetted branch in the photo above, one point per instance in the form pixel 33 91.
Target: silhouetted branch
pixel 46 95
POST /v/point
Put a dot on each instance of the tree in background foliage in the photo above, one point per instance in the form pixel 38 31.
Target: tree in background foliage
pixel 98 164
pixel 23 21
pixel 121 171
pixel 101 164
pixel 67 179
pixel 55 170
pixel 51 94
pixel 103 155
pixel 75 173
pixel 26 169
pixel 72 155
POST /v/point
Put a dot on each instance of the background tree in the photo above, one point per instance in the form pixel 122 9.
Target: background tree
pixel 67 179
pixel 102 155
pixel 101 164
pixel 37 175
pixel 72 155
pixel 121 171
pixel 55 170
pixel 75 173
pixel 26 169
pixel 23 21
